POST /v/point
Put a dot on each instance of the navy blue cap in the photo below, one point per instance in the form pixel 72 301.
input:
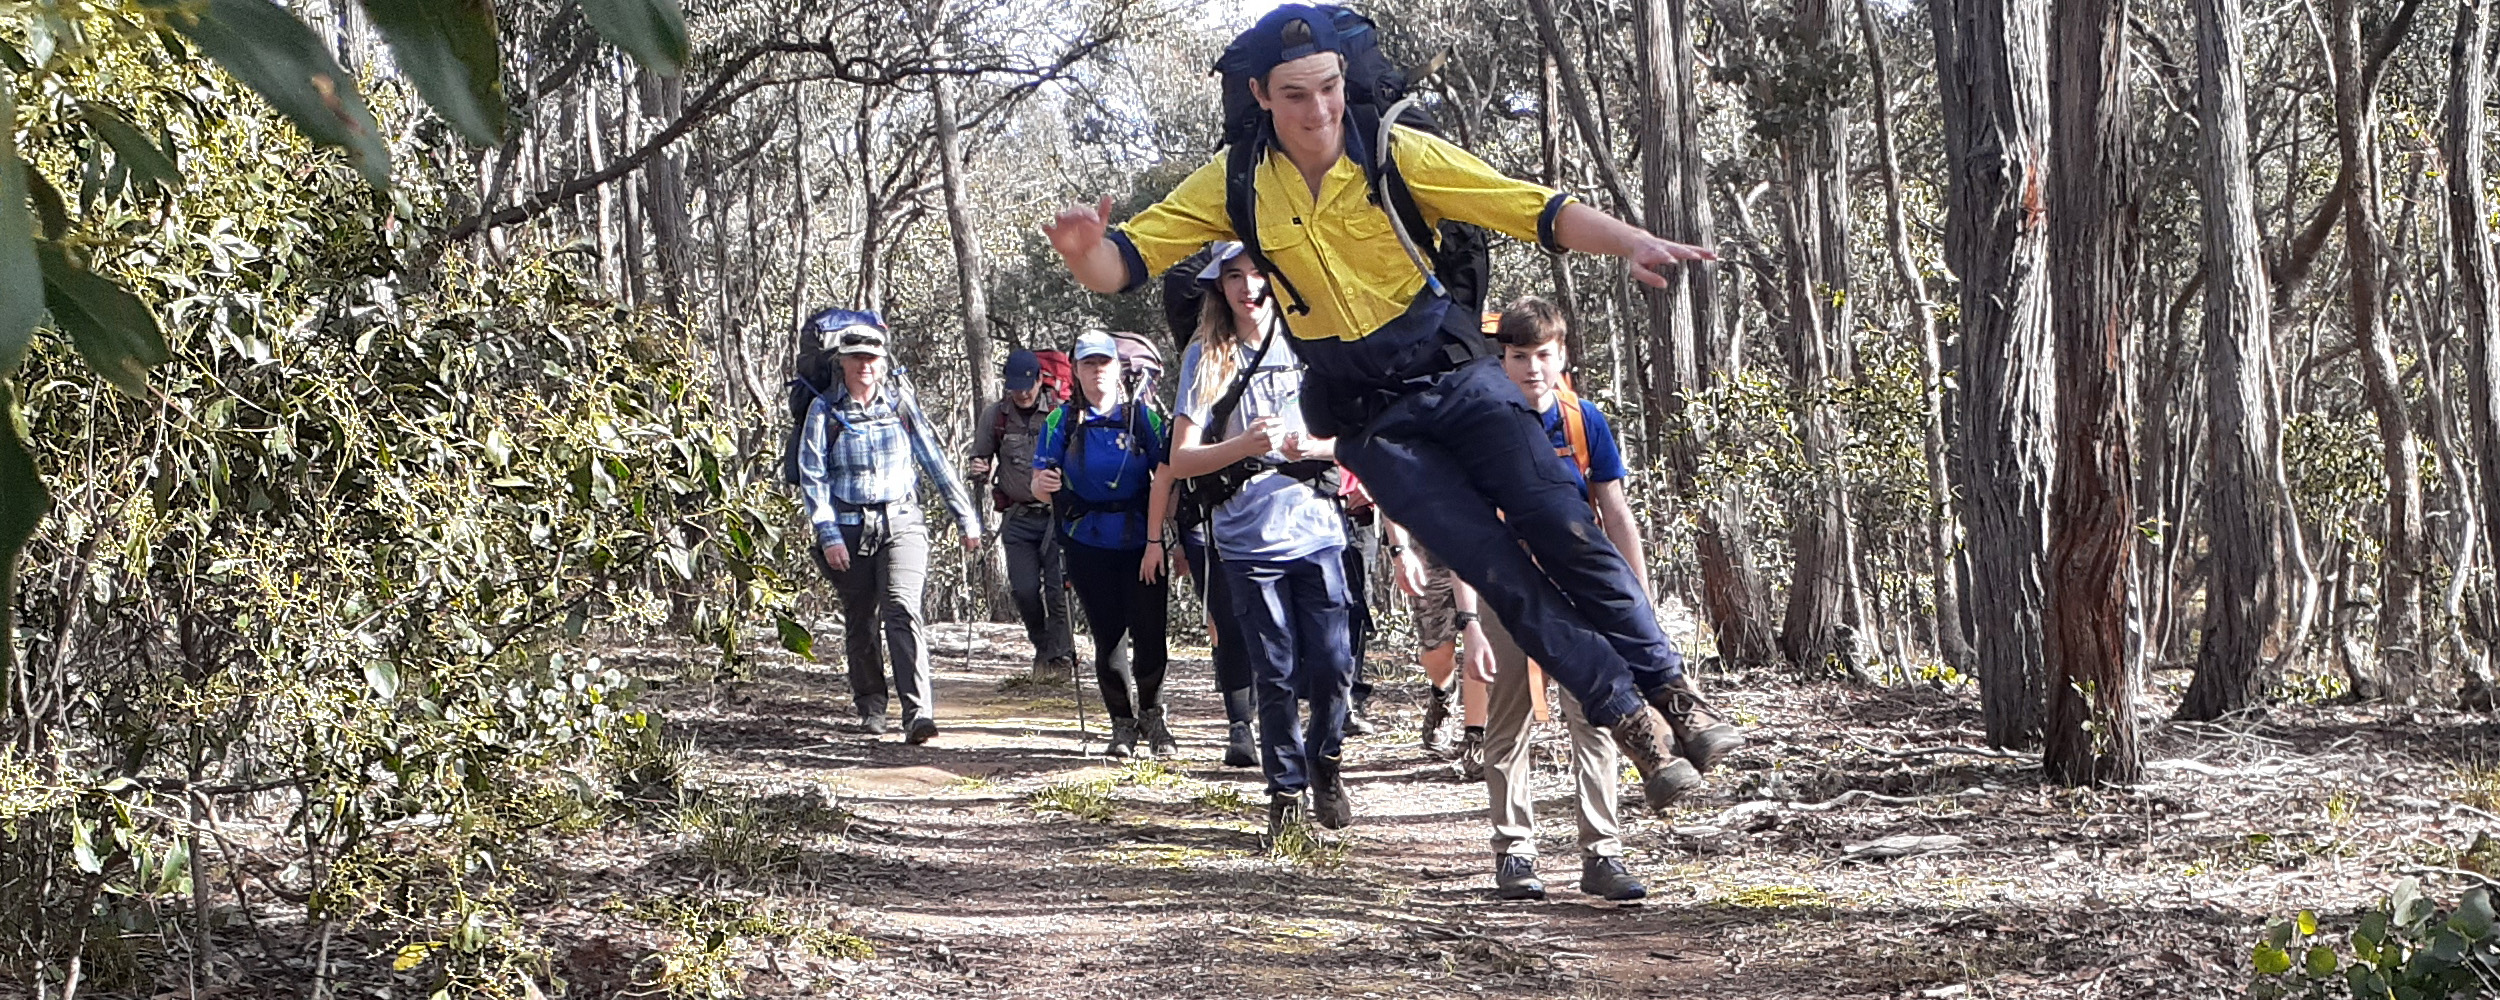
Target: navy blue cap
pixel 1263 47
pixel 1024 371
pixel 838 320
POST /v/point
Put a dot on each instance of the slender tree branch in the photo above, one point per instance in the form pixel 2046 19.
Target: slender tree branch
pixel 726 90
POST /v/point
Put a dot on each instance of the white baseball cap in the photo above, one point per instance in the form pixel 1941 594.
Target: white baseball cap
pixel 1225 250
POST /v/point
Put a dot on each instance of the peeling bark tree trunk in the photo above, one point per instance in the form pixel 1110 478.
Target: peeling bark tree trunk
pixel 2091 735
pixel 2241 592
pixel 1993 71
pixel 2469 233
pixel 1682 317
pixel 1815 227
pixel 2401 550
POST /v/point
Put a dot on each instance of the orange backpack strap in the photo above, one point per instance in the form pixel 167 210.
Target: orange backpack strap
pixel 1575 430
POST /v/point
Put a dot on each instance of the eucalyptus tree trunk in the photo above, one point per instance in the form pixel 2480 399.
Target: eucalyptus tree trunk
pixel 2091 734
pixel 1576 96
pixel 871 293
pixel 1952 644
pixel 2399 646
pixel 1681 318
pixel 665 185
pixel 1550 156
pixel 2469 235
pixel 971 280
pixel 1992 59
pixel 2242 592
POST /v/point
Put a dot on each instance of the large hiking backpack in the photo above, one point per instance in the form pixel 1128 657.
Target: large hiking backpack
pixel 1184 297
pixel 1456 260
pixel 1058 375
pixel 815 374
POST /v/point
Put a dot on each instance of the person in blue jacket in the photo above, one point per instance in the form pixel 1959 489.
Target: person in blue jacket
pixel 1095 463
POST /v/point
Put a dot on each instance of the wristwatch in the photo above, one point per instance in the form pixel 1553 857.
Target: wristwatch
pixel 1465 618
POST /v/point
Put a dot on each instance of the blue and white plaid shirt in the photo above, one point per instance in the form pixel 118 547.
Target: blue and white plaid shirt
pixel 871 462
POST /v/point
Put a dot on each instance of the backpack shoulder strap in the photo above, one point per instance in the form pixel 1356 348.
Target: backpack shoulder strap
pixel 1370 136
pixel 1222 412
pixel 1241 208
pixel 1575 423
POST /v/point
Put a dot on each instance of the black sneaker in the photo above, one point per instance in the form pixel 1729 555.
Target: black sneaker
pixel 1606 878
pixel 1239 749
pixel 1285 810
pixel 1123 738
pixel 1514 877
pixel 1157 736
pixel 921 732
pixel 1328 798
pixel 874 725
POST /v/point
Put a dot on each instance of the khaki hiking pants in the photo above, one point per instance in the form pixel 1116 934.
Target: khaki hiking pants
pixel 1508 710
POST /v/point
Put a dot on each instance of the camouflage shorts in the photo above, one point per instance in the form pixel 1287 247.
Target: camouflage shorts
pixel 1436 610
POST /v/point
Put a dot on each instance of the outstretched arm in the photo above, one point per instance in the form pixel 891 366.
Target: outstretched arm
pixel 1081 234
pixel 1588 230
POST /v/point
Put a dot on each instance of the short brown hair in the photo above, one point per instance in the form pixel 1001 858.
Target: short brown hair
pixel 1530 322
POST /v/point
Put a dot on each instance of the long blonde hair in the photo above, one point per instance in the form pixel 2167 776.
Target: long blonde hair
pixel 1219 350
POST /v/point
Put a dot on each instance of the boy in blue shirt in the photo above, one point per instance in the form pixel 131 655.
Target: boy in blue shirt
pixel 1095 463
pixel 1533 355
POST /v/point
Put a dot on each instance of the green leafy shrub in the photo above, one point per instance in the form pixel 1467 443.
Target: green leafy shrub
pixel 2408 949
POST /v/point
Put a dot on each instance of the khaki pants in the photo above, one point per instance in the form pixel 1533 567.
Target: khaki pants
pixel 1506 777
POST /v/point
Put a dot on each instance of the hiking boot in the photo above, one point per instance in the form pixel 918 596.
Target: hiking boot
pixel 1646 741
pixel 1123 738
pixel 1514 877
pixel 1060 669
pixel 1328 798
pixel 922 730
pixel 1471 755
pixel 1285 810
pixel 1606 878
pixel 1702 734
pixel 1357 725
pixel 1158 738
pixel 1239 749
pixel 874 725
pixel 1437 718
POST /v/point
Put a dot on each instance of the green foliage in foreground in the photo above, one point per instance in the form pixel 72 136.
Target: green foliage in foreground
pixel 315 523
pixel 2408 949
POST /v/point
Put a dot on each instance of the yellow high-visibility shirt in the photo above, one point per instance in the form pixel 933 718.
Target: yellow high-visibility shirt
pixel 1338 250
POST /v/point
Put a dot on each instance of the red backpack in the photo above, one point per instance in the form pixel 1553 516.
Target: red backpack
pixel 1058 376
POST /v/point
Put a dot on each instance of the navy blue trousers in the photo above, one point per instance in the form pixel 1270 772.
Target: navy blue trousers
pixel 1463 463
pixel 1290 617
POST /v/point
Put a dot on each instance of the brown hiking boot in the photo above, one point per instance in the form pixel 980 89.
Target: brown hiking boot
pixel 1648 744
pixel 1702 733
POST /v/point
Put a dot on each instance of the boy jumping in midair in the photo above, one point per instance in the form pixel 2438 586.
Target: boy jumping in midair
pixel 1445 442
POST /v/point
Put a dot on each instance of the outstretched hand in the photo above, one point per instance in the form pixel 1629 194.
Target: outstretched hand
pixel 1078 229
pixel 1651 256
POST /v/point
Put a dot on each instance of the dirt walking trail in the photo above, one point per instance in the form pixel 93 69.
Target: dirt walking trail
pixel 1008 858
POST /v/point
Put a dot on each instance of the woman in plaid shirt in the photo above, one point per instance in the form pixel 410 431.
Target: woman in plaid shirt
pixel 857 459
